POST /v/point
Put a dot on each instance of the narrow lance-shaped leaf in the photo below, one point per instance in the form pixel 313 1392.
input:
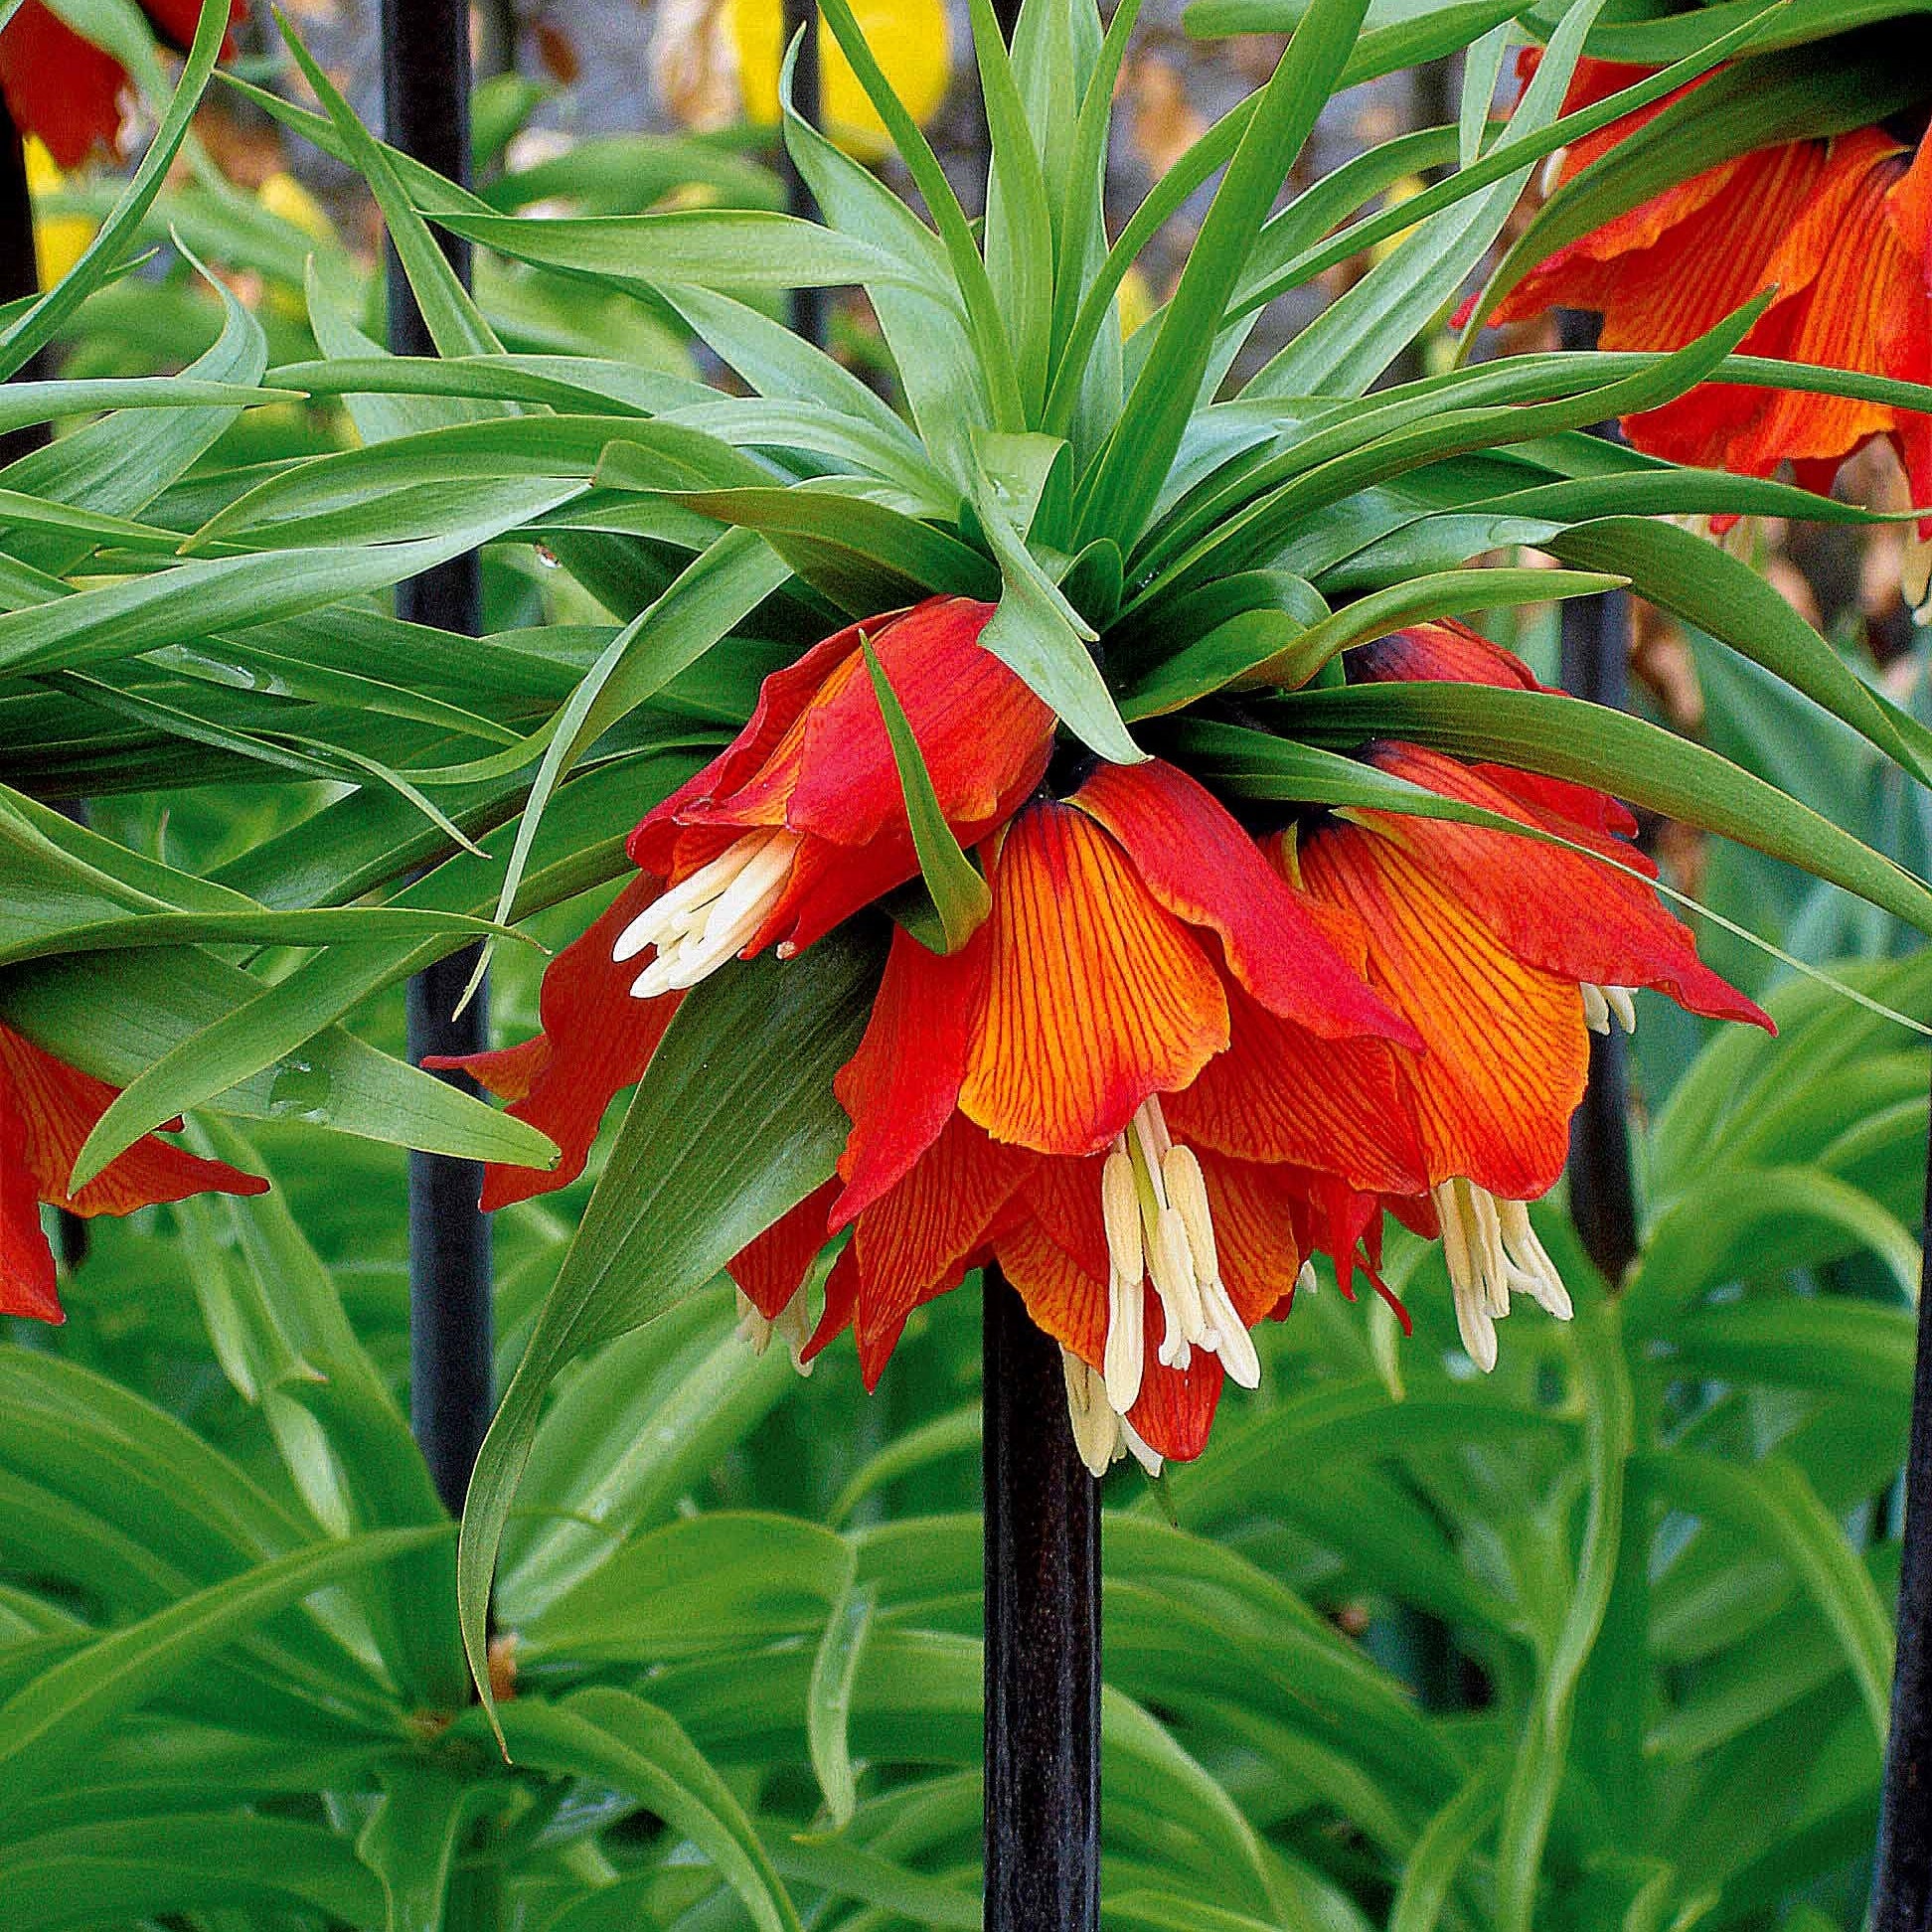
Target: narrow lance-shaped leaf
pixel 969 270
pixel 959 895
pixel 734 1123
pixel 1118 496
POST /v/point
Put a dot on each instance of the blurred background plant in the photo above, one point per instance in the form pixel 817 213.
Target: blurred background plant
pixel 1599 1641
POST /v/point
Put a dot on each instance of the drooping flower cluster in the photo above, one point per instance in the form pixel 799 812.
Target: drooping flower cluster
pixel 1841 229
pixel 47 1110
pixel 1180 1056
pixel 63 90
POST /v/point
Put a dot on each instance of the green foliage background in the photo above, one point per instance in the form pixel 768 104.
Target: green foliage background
pixel 1599 1641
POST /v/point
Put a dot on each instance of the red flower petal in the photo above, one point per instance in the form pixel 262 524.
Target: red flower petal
pixel 773 1269
pixel 1846 257
pixel 1096 997
pixel 816 758
pixel 1440 653
pixel 1064 1294
pixel 1199 863
pixel 901 1087
pixel 1175 1408
pixel 26 1280
pixel 59 87
pixel 57 1105
pixel 1281 1094
pixel 982 731
pixel 595 1041
pixel 64 89
pixel 918 1239
pixel 841 1304
pixel 782 699
pixel 1554 909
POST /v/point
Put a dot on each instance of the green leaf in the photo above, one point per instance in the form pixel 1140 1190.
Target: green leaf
pixel 835 1669
pixel 1732 602
pixel 1254 653
pixel 959 894
pixel 619 1741
pixel 707 248
pixel 969 274
pixel 115 1015
pixel 1529 1801
pixel 127 1870
pixel 26 403
pixel 456 324
pixel 411 1837
pixel 1037 633
pixel 1019 226
pixel 1353 340
pixel 1117 497
pixel 120 621
pixel 44 1726
pixel 1774 1500
pixel 1444 1847
pixel 734 1123
pixel 868 557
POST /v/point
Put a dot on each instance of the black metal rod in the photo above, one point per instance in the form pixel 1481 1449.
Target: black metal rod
pixel 19 267
pixel 20 277
pixel 1901 1892
pixel 808 305
pixel 1042 1636
pixel 1596 666
pixel 425 98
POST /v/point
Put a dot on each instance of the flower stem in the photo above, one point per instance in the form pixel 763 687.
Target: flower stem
pixel 808 305
pixel 1901 1894
pixel 1042 1636
pixel 19 269
pixel 425 94
pixel 1596 666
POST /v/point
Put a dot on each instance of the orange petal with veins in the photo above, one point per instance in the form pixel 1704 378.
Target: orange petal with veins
pixel 1505 1046
pixel 1096 995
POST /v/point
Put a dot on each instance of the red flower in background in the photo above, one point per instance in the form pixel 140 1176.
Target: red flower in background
pixel 47 1110
pixel 66 89
pixel 1841 228
pixel 798 823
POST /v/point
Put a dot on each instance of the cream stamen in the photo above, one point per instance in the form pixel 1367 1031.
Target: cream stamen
pixel 700 924
pixel 1158 1225
pixel 755 1330
pixel 1491 1250
pixel 1100 1432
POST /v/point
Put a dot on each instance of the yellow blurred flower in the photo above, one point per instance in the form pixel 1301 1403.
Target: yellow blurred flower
pixel 59 241
pixel 719 59
pixel 1135 300
pixel 281 193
